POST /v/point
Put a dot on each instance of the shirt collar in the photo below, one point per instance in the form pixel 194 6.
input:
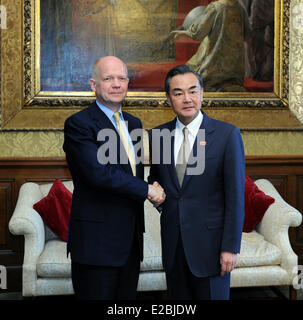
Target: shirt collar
pixel 109 112
pixel 193 126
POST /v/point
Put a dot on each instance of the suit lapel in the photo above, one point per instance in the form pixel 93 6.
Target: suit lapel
pixel 100 118
pixel 206 125
pixel 172 168
pixel 130 124
pixel 102 122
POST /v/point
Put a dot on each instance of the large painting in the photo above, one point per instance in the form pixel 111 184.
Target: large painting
pixel 49 47
pixel 74 33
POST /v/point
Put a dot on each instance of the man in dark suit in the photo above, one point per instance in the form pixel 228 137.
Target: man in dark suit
pixel 107 219
pixel 202 216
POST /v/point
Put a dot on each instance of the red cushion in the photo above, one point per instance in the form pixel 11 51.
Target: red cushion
pixel 256 204
pixel 55 209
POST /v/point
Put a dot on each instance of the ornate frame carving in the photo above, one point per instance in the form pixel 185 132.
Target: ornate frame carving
pixel 26 107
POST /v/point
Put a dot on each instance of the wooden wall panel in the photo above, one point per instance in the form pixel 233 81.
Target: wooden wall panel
pixel 5 208
pixel 286 173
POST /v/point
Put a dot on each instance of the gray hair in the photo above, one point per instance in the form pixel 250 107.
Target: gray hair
pixel 96 71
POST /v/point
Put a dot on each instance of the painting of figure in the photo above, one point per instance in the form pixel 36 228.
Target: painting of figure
pixel 222 28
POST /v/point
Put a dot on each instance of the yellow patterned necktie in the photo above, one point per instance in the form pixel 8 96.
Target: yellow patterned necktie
pixel 125 142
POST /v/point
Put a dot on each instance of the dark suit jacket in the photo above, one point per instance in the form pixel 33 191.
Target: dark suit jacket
pixel 208 210
pixel 107 208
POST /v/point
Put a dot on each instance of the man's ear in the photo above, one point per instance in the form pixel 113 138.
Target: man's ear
pixel 92 83
pixel 168 99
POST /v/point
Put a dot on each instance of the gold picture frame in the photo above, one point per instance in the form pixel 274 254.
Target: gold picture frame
pixel 25 107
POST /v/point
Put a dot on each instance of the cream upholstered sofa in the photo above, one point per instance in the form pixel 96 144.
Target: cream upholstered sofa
pixel 266 257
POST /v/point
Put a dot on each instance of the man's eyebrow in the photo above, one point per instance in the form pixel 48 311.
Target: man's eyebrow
pixel 193 87
pixel 190 88
pixel 177 89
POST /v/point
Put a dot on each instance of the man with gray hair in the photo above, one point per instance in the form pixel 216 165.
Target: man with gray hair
pixel 107 218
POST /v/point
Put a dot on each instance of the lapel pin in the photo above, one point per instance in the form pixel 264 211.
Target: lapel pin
pixel 202 143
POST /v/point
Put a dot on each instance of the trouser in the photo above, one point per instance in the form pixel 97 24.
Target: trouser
pixel 105 282
pixel 183 285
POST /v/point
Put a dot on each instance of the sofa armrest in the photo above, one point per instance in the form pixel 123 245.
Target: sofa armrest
pixel 27 222
pixel 276 222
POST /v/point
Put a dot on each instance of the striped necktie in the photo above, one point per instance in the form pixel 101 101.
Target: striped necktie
pixel 183 156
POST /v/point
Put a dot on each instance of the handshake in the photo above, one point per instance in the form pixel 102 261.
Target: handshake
pixel 156 194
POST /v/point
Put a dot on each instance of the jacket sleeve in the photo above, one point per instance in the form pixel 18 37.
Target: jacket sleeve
pixel 81 148
pixel 153 173
pixel 234 189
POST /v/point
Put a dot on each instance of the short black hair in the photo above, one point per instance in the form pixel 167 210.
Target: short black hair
pixel 181 69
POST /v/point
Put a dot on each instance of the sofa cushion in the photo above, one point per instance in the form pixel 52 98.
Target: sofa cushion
pixel 53 262
pixel 55 209
pixel 256 204
pixel 256 251
pixel 44 188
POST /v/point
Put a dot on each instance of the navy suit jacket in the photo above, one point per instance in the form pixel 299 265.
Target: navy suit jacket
pixel 208 209
pixel 107 207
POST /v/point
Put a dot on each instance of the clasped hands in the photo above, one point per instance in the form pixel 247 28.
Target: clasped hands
pixel 156 194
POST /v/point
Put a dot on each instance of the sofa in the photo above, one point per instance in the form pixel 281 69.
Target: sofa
pixel 266 257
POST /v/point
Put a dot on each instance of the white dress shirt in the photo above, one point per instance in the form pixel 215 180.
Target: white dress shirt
pixel 110 114
pixel 193 129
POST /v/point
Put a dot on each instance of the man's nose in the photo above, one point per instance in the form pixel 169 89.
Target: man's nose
pixel 116 83
pixel 186 97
